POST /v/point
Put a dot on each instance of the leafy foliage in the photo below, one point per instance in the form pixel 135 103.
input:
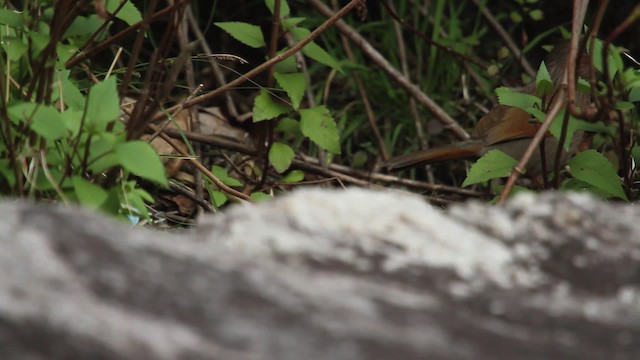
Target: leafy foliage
pixel 65 141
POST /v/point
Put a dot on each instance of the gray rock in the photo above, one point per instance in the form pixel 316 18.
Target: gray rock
pixel 326 274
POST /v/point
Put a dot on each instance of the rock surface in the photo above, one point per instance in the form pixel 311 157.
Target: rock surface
pixel 326 274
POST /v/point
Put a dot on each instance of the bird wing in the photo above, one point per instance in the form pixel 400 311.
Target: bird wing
pixel 505 123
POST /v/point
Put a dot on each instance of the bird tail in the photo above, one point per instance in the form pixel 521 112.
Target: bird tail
pixel 463 150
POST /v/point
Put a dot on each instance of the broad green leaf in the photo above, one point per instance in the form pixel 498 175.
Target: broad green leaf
pixel 137 198
pixel 264 108
pixel 294 176
pixel 294 84
pixel 494 164
pixel 11 18
pixel 511 97
pixel 39 41
pixel 82 25
pixel 102 154
pixel 286 66
pixel 318 125
pixel 71 96
pixel 624 105
pixel 72 120
pixel 314 51
pixel 572 184
pixel 218 197
pixel 248 34
pixel 103 104
pixel 635 152
pixel 260 196
pixel 14 47
pixel 139 158
pixel 21 112
pixel 89 194
pixel 129 13
pixel 280 156
pixel 44 183
pixel 48 123
pixel 284 7
pixel 597 58
pixel 288 126
pixel 574 124
pixel 634 93
pixel 594 169
pixel 223 176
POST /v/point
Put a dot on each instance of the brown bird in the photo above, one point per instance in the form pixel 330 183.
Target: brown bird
pixel 505 128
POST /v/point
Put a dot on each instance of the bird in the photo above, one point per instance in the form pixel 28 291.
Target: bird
pixel 506 128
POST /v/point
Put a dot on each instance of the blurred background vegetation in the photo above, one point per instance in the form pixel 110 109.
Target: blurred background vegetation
pixel 214 151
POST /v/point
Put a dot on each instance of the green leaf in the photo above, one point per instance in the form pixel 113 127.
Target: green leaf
pixel 48 123
pixel 536 15
pixel 494 164
pixel 89 194
pixel 594 169
pixel 82 25
pixel 21 112
pixel 11 18
pixel 291 23
pixel 264 108
pixel 294 84
pixel 288 126
pixel 314 51
pixel 72 120
pixel 137 198
pixel 543 81
pixel 634 93
pixel 318 125
pixel 218 197
pixel 284 7
pixel 138 157
pixel 598 63
pixel 15 48
pixel 515 17
pixel 248 34
pixel 280 156
pixel 624 105
pixel 511 97
pixel 71 96
pixel 102 152
pixel 286 66
pixel 359 159
pixel 635 152
pixel 129 13
pixel 574 124
pixel 294 176
pixel 260 196
pixel 103 104
pixel 223 176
